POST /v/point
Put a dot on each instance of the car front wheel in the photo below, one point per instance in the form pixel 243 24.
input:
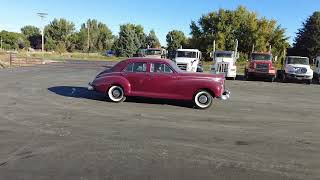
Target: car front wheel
pixel 202 99
pixel 116 94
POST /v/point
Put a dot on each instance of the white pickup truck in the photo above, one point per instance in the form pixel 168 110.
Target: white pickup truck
pixel 317 69
pixel 188 60
pixel 297 68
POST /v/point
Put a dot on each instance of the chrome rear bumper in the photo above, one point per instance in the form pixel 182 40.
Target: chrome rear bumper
pixel 225 95
pixel 90 87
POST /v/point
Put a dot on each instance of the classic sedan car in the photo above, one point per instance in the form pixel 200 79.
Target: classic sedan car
pixel 158 78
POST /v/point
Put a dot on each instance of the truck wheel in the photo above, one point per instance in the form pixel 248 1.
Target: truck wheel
pixel 202 99
pixel 116 94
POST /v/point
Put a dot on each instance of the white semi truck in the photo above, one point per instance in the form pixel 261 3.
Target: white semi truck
pixel 224 62
pixel 153 53
pixel 188 60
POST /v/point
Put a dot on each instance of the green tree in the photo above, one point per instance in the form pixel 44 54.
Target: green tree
pixel 100 36
pixel 152 40
pixel 33 34
pixel 13 40
pixel 175 39
pixel 224 26
pixel 57 32
pixel 125 45
pixel 30 31
pixel 307 42
pixel 131 38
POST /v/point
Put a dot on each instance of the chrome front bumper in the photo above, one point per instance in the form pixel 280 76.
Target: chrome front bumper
pixel 225 95
pixel 90 86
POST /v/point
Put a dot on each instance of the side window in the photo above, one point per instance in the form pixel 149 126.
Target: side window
pixel 167 69
pixel 160 68
pixel 137 67
pixel 129 67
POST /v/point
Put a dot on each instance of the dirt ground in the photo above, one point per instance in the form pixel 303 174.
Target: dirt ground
pixel 51 127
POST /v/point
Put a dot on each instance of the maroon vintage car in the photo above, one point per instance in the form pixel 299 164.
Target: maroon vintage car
pixel 158 78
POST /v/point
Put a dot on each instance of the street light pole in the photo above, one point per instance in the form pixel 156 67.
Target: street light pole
pixel 42 16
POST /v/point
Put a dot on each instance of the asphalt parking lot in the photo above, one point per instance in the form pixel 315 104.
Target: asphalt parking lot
pixel 51 127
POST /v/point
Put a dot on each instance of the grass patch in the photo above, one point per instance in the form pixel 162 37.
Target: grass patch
pixel 68 56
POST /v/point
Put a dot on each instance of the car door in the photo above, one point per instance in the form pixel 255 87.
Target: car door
pixel 135 73
pixel 161 81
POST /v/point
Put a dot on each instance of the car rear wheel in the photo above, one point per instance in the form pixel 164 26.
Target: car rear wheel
pixel 116 94
pixel 203 99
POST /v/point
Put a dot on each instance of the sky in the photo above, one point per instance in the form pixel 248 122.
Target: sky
pixel 161 16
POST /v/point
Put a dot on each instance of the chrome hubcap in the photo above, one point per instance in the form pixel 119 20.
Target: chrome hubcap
pixel 116 93
pixel 203 99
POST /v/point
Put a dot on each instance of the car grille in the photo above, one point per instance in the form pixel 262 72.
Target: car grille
pixel 182 66
pixel 262 67
pixel 222 67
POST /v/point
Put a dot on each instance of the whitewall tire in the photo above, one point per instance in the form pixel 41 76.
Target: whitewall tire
pixel 116 94
pixel 202 99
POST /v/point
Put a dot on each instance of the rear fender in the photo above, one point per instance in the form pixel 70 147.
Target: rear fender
pixel 104 83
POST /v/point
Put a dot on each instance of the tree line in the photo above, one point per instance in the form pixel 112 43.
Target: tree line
pixel 223 26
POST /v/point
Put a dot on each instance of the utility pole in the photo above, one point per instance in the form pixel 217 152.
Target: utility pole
pixel 42 16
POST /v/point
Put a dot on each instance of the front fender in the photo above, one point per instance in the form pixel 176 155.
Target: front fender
pixel 102 84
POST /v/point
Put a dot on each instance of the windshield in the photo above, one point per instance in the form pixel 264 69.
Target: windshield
pixel 298 60
pixel 223 54
pixel 153 52
pixel 262 57
pixel 187 54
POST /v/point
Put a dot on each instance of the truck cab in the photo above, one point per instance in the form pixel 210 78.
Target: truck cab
pixel 224 63
pixel 297 68
pixel 260 66
pixel 153 53
pixel 317 69
pixel 188 60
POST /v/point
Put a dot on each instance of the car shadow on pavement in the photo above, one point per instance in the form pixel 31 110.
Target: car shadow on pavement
pixel 82 92
pixel 77 92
